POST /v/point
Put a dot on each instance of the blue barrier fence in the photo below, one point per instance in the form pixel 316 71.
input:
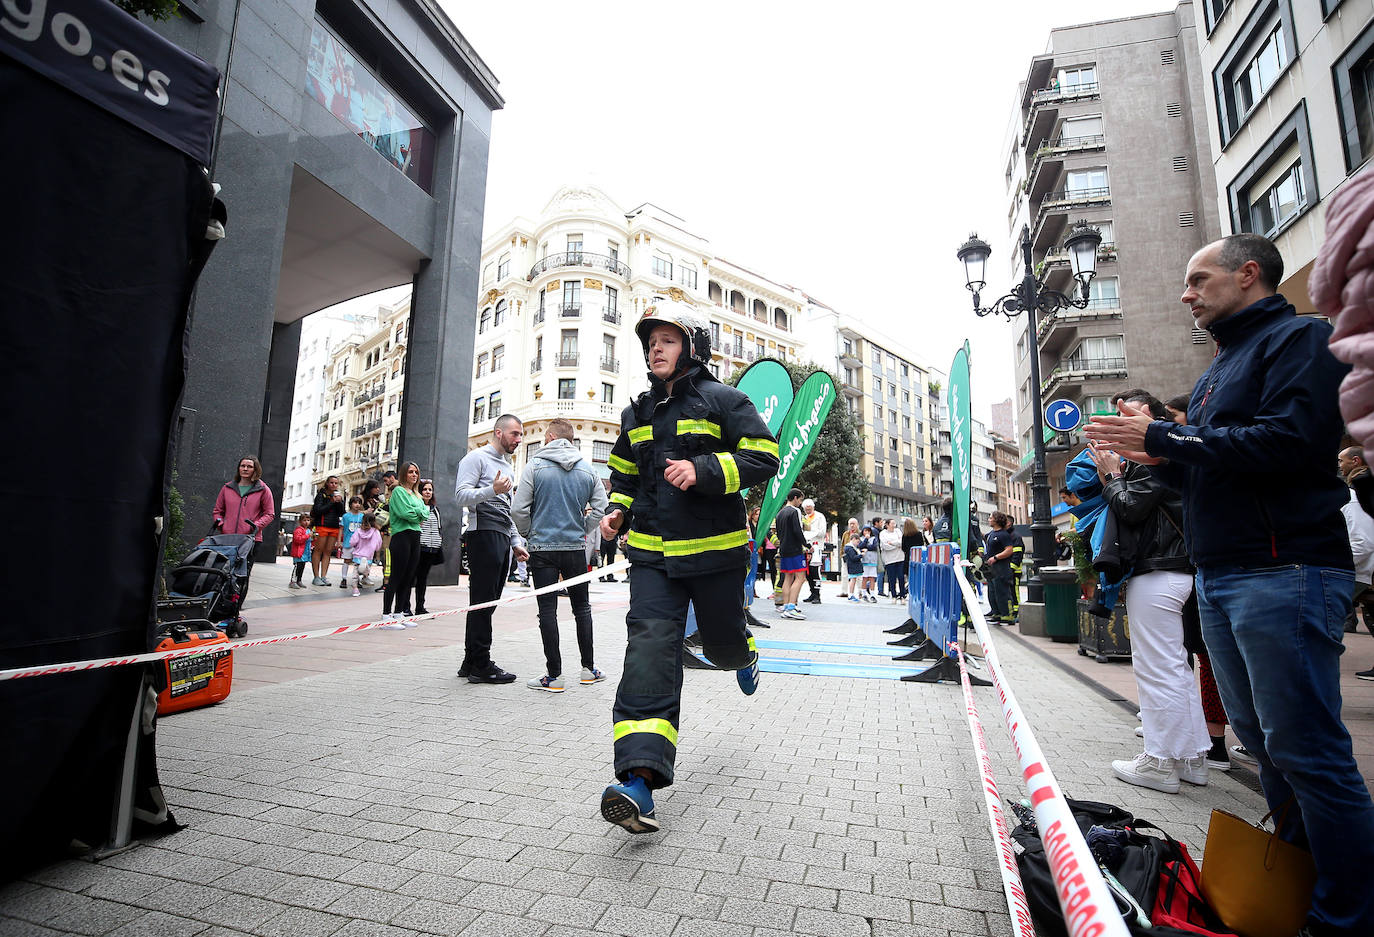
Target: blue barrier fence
pixel 933 599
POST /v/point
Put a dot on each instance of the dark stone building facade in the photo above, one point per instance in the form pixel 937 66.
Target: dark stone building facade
pixel 352 154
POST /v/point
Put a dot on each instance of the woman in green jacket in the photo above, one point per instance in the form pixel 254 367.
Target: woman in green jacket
pixel 407 511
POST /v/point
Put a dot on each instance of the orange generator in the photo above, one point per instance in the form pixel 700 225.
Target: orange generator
pixel 198 679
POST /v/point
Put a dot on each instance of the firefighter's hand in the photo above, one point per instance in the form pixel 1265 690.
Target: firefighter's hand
pixel 610 523
pixel 681 473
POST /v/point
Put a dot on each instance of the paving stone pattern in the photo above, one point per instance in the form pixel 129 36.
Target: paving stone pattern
pixel 390 798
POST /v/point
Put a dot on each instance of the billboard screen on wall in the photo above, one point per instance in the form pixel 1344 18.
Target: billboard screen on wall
pixel 336 78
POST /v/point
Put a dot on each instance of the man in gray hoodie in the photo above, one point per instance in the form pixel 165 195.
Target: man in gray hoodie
pixel 551 510
pixel 483 486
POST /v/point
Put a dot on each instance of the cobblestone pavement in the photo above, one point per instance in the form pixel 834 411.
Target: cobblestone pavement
pixel 386 797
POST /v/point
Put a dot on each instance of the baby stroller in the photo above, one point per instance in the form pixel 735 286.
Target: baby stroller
pixel 211 583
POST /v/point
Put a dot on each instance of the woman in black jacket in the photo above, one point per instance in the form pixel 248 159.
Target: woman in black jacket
pixel 327 514
pixel 1161 580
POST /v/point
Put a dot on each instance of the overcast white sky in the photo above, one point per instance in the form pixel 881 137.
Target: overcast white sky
pixel 845 148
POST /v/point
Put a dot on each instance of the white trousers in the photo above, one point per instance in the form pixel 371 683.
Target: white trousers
pixel 1170 706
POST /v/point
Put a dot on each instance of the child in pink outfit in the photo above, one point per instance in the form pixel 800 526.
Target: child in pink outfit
pixel 366 543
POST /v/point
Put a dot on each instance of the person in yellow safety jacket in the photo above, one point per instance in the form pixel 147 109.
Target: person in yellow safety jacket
pixel 1018 554
pixel 687 447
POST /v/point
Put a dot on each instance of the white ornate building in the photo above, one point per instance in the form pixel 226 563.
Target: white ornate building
pixel 360 420
pixel 560 295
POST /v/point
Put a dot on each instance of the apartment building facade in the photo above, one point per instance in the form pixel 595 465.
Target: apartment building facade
pixel 360 419
pixel 1289 106
pixel 1109 128
pixel 889 392
pixel 560 296
pixel 320 337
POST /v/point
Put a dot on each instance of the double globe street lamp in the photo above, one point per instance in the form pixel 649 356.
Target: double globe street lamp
pixel 1030 297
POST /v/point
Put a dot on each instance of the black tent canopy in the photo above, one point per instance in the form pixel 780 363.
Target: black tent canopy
pixel 107 207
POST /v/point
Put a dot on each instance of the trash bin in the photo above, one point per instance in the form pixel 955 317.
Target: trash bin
pixel 1061 602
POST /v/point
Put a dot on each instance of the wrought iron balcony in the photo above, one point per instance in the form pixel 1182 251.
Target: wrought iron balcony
pixel 610 364
pixel 324 417
pixel 536 364
pixel 570 310
pixel 567 359
pixel 611 315
pixel 1055 328
pixel 1072 370
pixel 357 431
pixel 374 426
pixel 580 259
pixel 538 316
pixel 1068 198
pixel 320 446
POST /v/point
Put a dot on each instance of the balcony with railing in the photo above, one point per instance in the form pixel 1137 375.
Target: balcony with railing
pixel 610 364
pixel 1077 370
pixel 1048 160
pixel 1052 215
pixel 324 418
pixel 610 315
pixel 580 259
pixel 536 363
pixel 374 426
pixel 370 394
pixel 570 311
pixel 538 317
pixel 319 447
pixel 357 431
pixel 567 359
pixel 1044 108
pixel 1056 267
pixel 1058 329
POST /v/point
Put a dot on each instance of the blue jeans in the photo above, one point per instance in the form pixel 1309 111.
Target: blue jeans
pixel 1274 636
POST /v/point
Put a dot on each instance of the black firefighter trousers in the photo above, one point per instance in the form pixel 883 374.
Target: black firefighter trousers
pixel 648 701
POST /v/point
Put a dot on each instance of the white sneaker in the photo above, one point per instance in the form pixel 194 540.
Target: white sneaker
pixel 390 624
pixel 1140 732
pixel 793 614
pixel 591 675
pixel 1160 774
pixel 549 684
pixel 1193 770
pixel 356 593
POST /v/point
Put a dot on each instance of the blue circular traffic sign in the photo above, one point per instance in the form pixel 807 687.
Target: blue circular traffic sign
pixel 1063 416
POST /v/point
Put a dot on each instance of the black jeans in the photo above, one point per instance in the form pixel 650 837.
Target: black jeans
pixel 428 560
pixel 896 578
pixel 648 701
pixel 488 564
pixel 546 567
pixel 405 560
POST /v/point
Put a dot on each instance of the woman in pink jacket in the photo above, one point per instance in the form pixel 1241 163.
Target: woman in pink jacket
pixel 245 504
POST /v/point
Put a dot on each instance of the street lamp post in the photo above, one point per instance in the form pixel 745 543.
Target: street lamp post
pixel 1030 297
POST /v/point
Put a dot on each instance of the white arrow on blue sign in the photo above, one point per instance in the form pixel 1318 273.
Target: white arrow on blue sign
pixel 1063 416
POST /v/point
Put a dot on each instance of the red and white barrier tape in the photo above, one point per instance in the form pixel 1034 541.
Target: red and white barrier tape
pixel 1087 903
pixel 1006 858
pixel 44 670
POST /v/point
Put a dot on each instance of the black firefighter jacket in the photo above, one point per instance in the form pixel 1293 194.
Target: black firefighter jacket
pixel 703 529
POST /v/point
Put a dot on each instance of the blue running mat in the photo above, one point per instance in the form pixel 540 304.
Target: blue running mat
pixel 815 668
pixel 860 649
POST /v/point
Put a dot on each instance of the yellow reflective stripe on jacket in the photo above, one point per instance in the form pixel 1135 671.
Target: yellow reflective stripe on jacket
pixel 641 541
pixel 641 434
pixel 623 466
pixel 730 470
pixel 622 499
pixel 700 427
pixel 759 445
pixel 654 726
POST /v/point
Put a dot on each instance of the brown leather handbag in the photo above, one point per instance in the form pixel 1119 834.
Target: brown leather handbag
pixel 1259 885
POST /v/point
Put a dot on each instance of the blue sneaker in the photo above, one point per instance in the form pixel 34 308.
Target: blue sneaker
pixel 629 804
pixel 748 677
